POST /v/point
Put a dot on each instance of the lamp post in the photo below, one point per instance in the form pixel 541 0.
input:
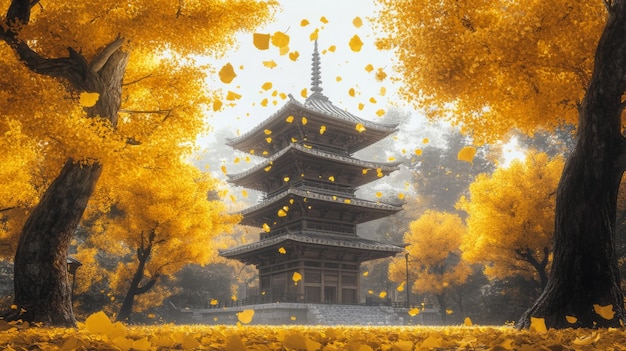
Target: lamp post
pixel 72 266
pixel 408 287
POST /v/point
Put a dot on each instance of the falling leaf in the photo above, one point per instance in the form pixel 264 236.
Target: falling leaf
pixel 217 105
pixel 304 120
pixel 266 228
pixel 365 170
pixel 467 322
pixel 338 79
pixel 418 152
pixel 332 48
pixel 372 100
pixel 289 119
pixel 267 86
pixel 467 154
pixel 380 75
pixel 304 23
pixel 232 96
pixel 268 140
pixel 366 273
pixel 360 127
pixel 571 319
pixel 383 91
pixel 370 292
pixel 267 169
pixel 361 106
pixel 87 99
pixel 280 39
pixel 379 194
pixel 264 102
pixel 414 312
pixel 382 294
pixel 323 20
pixel 213 302
pixel 357 22
pixel 269 64
pixel 245 316
pixel 313 36
pixel 223 168
pixel 261 41
pixel 293 56
pixel 401 196
pixel 282 250
pixel 356 43
pixel 322 129
pixel 538 325
pixel 296 277
pixel 605 312
pixel 449 311
pixel 304 93
pixel 380 113
pixel 369 68
pixel 347 201
pixel 227 73
pixel 351 92
pixel 331 178
pixel 425 141
pixel 286 179
pixel 282 213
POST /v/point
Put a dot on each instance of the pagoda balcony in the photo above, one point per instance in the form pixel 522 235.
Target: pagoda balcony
pixel 318 187
pixel 307 226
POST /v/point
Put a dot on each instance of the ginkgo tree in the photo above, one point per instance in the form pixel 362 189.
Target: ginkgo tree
pixel 97 86
pixel 434 255
pixel 510 218
pixel 490 67
pixel 160 221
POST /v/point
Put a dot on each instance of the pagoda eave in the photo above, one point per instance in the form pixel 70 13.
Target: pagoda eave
pixel 365 249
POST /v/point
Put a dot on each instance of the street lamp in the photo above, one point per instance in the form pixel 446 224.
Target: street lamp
pixel 408 287
pixel 72 266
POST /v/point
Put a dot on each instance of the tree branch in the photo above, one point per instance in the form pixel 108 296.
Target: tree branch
pixel 99 61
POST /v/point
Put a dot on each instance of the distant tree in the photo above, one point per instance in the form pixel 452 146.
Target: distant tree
pixel 510 218
pixel 434 256
pixel 158 225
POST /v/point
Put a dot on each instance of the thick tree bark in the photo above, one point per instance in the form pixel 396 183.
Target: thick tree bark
pixel 584 269
pixel 42 290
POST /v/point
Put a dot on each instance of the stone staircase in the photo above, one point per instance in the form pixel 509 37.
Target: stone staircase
pixel 322 314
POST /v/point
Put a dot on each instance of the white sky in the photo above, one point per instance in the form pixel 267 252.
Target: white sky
pixel 291 77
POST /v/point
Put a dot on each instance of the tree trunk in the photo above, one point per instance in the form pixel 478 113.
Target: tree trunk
pixel 42 289
pixel 584 272
pixel 143 256
pixel 443 307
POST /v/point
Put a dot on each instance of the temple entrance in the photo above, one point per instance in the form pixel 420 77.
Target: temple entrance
pixel 330 294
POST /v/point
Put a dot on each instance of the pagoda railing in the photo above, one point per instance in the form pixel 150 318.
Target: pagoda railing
pixel 311 227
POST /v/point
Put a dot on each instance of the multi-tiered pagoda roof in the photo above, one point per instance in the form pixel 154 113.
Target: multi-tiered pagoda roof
pixel 310 212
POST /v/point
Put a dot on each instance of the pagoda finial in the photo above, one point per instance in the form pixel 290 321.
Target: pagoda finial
pixel 316 73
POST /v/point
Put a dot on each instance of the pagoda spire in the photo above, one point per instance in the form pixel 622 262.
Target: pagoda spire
pixel 316 73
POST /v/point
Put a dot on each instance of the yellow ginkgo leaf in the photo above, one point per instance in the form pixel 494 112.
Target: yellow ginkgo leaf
pixel 357 22
pixel 213 302
pixel 418 152
pixel 401 196
pixel 379 194
pixel 467 322
pixel 332 48
pixel 313 36
pixel 414 312
pixel 360 127
pixel 373 100
pixel 304 93
pixel 232 96
pixel 361 106
pixel 87 99
pixel 296 277
pixel 382 294
pixel 266 228
pixel 383 91
pixel 269 64
pixel 323 20
pixel 322 129
pixel 286 179
pixel 425 141
pixel 370 292
pixel 380 112
pixel 268 140
pixel 369 68
pixel 280 39
pixel 289 119
pixel 282 213
pixel 304 22
pixel 380 75
pixel 366 273
pixel 347 201
pixel 355 43
pixel 223 168
pixel 293 56
pixel 264 102
pixel 467 154
pixel 304 120
pixel 245 316
pixel 217 105
pixel 605 312
pixel 538 325
pixel 282 250
pixel 338 79
pixel 351 92
pixel 571 319
pixel 331 178
pixel 227 73
pixel 261 41
pixel 267 86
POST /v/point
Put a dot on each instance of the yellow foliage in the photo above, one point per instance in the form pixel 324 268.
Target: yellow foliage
pixel 433 240
pixel 491 67
pixel 509 211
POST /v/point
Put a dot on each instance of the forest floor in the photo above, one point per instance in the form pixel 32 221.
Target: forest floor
pixel 99 333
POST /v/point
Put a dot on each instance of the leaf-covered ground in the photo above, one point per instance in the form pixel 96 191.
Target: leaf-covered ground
pixel 99 333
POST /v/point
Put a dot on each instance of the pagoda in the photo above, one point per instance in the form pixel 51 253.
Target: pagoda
pixel 309 250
